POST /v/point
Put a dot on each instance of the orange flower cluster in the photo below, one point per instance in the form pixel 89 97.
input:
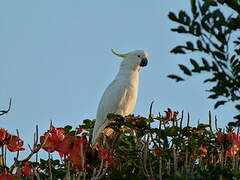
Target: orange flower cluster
pixel 231 138
pixel 73 147
pixel 203 151
pixel 6 176
pixel 105 154
pixel 170 116
pixel 26 169
pixel 13 143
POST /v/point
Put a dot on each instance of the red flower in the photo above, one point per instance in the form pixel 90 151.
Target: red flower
pixel 111 161
pixel 15 144
pixel 52 139
pixel 5 176
pixel 66 145
pixel 57 134
pixel 169 116
pixel 203 151
pixel 77 155
pixel 79 130
pixel 232 151
pixel 221 137
pixel 47 143
pixel 26 170
pixel 3 134
pixel 105 154
pixel 234 139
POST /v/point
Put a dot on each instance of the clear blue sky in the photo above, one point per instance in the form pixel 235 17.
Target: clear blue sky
pixel 55 61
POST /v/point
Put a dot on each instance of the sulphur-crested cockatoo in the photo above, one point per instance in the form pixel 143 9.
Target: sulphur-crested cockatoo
pixel 121 95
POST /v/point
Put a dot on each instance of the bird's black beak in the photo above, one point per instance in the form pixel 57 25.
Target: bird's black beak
pixel 144 62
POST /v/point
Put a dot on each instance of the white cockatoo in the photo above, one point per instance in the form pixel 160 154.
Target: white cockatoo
pixel 121 95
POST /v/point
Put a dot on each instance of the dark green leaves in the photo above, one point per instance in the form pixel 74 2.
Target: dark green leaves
pixel 219 55
pixel 172 16
pixel 218 103
pixel 195 65
pixel 182 18
pixel 190 45
pixel 211 27
pixel 180 29
pixel 178 50
pixel 175 77
pixel 185 70
pixel 194 8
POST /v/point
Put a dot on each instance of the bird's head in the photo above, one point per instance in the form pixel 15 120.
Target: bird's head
pixel 134 60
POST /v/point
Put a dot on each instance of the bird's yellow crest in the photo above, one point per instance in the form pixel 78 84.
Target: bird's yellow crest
pixel 117 54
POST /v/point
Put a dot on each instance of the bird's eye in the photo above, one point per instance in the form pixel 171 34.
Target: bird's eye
pixel 139 56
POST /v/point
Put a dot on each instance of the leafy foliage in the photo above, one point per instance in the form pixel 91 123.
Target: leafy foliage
pixel 154 147
pixel 217 39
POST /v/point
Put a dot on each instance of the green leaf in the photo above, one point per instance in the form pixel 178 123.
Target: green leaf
pixel 237 107
pixel 206 65
pixel 194 8
pixel 219 103
pixel 211 3
pixel 202 126
pixel 219 55
pixel 232 59
pixel 190 45
pixel 222 38
pixel 185 70
pixel 205 7
pixel 210 80
pixel 178 50
pixel 172 16
pixel 237 117
pixel 199 45
pixel 172 131
pixel 67 128
pixel 184 18
pixel 177 78
pixel 213 96
pixel 195 65
pixel 180 29
pixel 214 66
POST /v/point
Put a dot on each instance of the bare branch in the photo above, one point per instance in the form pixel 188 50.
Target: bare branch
pixel 2 112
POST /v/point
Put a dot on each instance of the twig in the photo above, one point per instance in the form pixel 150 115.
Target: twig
pixel 50 166
pixel 17 151
pixel 2 163
pixel 2 112
pixel 216 126
pixel 175 159
pixel 210 121
pixel 160 168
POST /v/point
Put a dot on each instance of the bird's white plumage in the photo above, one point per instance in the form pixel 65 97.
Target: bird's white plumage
pixel 121 95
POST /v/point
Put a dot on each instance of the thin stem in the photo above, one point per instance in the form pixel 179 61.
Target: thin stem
pixel 216 126
pixel 50 166
pixel 210 121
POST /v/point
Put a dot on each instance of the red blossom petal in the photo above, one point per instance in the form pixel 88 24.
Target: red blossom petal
pixel 26 170
pixel 66 145
pixel 103 153
pixel 47 143
pixel 15 144
pixel 3 134
pixel 79 130
pixel 51 140
pixel 169 115
pixel 4 176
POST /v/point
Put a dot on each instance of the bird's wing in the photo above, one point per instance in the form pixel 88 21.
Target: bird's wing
pixel 117 98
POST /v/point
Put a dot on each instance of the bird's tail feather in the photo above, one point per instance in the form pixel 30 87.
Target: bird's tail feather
pixel 97 134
